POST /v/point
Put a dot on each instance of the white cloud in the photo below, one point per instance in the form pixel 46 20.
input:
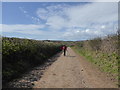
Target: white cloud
pixel 56 22
pixel 26 13
pixel 50 11
pixel 42 13
pixel 24 29
pixel 60 0
pixel 72 22
pixel 22 9
pixel 92 16
pixel 103 26
pixel 82 34
pixel 0 29
pixel 92 13
pixel 29 31
pixel 81 15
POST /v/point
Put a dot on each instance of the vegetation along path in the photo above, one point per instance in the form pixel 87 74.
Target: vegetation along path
pixel 73 71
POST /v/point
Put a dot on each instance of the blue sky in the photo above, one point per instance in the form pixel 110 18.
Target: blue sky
pixel 59 20
pixel 13 10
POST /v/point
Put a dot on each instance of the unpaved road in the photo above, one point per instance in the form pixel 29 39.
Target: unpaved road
pixel 73 71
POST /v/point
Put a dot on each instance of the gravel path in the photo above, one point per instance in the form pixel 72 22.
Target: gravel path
pixel 27 80
pixel 73 71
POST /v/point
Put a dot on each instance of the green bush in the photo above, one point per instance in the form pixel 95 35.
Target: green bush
pixel 19 55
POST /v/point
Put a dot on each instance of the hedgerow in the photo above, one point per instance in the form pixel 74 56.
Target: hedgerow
pixel 19 55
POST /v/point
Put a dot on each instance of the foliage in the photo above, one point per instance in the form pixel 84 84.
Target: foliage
pixel 19 55
pixel 95 44
pixel 102 52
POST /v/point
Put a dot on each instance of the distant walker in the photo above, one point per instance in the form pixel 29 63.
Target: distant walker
pixel 64 48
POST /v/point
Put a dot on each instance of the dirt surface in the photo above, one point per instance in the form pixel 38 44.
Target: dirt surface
pixel 73 71
pixel 27 79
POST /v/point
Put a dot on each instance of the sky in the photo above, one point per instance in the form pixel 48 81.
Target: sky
pixel 59 20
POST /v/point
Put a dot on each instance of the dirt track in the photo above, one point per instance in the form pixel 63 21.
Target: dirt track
pixel 73 71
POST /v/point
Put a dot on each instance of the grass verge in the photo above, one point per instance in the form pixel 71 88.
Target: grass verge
pixel 106 62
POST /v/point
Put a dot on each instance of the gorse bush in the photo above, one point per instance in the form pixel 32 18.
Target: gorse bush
pixel 19 55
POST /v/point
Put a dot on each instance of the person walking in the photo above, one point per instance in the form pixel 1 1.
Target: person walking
pixel 64 48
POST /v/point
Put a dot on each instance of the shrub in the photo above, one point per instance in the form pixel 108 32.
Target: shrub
pixel 19 55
